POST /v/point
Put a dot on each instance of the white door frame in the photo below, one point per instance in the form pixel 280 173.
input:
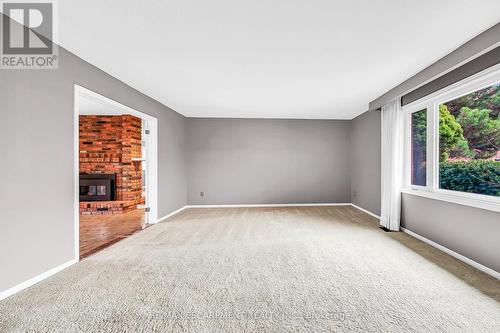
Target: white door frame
pixel 152 170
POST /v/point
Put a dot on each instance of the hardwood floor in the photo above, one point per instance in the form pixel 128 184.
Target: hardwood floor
pixel 100 231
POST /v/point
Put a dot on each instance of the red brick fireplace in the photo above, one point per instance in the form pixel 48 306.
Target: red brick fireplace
pixel 111 145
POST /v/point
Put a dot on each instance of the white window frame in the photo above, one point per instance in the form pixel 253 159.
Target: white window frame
pixel 407 152
pixel 431 102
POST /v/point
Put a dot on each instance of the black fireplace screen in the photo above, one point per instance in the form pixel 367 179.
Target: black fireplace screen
pixel 97 187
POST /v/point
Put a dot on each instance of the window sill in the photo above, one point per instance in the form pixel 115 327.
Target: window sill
pixel 465 199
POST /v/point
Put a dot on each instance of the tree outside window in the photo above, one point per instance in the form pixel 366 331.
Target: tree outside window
pixel 469 142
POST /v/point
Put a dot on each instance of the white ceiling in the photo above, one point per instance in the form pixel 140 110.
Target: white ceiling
pixel 89 106
pixel 268 59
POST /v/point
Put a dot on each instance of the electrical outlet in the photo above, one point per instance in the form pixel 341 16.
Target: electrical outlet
pixel 354 193
pixel 202 194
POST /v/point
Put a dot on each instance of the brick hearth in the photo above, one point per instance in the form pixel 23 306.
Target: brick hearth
pixel 107 145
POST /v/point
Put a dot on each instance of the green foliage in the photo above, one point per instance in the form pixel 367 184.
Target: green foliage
pixel 419 130
pixel 419 126
pixel 419 147
pixel 451 136
pixel 476 176
pixel 487 98
pixel 469 126
pixel 482 132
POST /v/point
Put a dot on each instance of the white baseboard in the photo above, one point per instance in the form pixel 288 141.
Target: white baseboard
pixel 366 211
pixel 250 205
pixel 11 291
pixel 265 205
pixel 172 214
pixel 452 253
pixel 269 205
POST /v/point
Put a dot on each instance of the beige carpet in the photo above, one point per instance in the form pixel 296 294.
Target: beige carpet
pixel 309 269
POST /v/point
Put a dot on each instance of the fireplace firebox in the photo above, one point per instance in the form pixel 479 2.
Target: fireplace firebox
pixel 97 187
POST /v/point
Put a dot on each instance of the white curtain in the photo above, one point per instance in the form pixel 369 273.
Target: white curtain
pixel 392 164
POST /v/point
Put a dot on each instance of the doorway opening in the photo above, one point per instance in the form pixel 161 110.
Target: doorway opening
pixel 115 171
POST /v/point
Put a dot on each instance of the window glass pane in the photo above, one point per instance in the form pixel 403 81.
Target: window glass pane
pixel 84 190
pixel 101 190
pixel 92 190
pixel 419 147
pixel 469 142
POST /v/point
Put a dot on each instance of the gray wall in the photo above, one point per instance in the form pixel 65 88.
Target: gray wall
pixel 257 161
pixel 472 232
pixel 365 161
pixel 36 136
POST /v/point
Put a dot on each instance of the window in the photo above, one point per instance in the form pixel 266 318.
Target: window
pixel 419 148
pixel 452 143
pixel 469 142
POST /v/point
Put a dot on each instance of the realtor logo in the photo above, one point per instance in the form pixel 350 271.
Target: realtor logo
pixel 28 36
